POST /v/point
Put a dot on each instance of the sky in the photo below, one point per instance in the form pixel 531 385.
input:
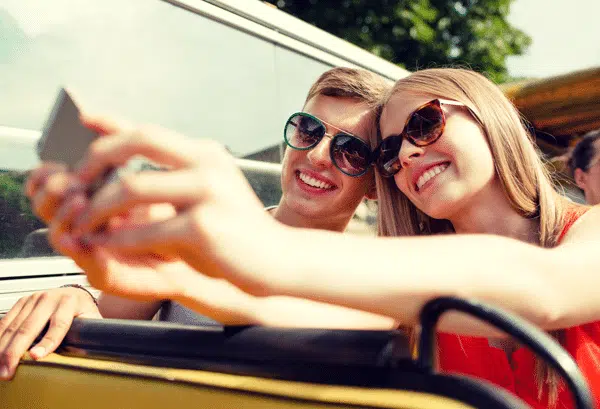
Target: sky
pixel 565 34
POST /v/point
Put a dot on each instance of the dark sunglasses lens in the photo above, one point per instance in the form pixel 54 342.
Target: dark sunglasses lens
pixel 388 162
pixel 425 125
pixel 303 131
pixel 351 155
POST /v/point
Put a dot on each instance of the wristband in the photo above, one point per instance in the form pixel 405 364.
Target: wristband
pixel 82 288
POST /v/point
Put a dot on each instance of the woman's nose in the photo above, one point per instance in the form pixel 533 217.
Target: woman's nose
pixel 408 153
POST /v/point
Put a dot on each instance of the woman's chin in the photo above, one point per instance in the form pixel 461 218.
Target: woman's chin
pixel 441 209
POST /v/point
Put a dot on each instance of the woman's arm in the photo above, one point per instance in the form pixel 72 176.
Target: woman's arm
pixel 221 230
pixel 553 288
pixel 227 304
pixel 575 273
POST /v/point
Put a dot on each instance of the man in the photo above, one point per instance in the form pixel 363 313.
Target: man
pixel 319 190
pixel 585 165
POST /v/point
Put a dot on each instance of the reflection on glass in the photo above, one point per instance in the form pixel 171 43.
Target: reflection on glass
pixel 143 60
pixel 147 61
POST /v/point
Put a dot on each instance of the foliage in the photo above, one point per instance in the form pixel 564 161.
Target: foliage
pixel 16 217
pixel 421 33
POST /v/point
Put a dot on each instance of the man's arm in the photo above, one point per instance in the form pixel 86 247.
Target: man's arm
pixel 111 306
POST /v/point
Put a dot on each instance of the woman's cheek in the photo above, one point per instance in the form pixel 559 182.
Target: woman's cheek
pixel 401 183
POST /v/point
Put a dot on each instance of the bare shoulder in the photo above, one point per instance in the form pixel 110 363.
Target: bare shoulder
pixel 586 228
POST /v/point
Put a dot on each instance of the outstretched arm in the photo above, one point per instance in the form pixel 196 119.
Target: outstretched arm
pixel 394 277
pixel 553 288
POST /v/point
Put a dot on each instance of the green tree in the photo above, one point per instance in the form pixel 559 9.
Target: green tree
pixel 421 33
pixel 16 218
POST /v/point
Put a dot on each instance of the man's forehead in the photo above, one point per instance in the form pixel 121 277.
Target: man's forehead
pixel 348 113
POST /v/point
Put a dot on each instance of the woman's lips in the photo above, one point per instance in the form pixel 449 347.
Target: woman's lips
pixel 427 177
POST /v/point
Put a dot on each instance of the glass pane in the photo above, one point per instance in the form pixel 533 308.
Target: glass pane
pixel 20 230
pixel 145 61
pixel 295 75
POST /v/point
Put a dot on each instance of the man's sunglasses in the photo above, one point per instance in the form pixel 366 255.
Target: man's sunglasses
pixel 350 154
pixel 423 127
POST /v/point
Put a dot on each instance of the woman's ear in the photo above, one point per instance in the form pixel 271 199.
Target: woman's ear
pixel 580 178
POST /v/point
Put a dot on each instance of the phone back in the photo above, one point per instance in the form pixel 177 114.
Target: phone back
pixel 64 138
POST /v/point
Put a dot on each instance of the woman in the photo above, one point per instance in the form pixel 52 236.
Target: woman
pixel 470 169
pixel 498 185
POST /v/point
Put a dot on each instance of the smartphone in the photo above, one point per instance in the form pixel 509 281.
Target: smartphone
pixel 65 139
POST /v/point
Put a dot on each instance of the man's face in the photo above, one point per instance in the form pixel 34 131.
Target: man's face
pixel 312 186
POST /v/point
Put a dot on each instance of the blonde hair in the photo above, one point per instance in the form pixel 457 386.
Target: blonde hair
pixel 524 178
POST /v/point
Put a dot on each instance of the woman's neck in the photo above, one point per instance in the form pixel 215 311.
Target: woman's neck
pixel 494 215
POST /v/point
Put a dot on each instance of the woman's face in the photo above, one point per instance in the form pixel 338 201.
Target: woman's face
pixel 444 178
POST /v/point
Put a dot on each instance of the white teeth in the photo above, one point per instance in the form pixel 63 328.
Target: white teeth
pixel 425 177
pixel 309 180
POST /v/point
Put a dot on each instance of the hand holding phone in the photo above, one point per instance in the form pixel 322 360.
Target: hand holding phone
pixel 65 139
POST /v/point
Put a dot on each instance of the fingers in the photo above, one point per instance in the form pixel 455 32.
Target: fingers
pixel 151 213
pixel 43 310
pixel 143 214
pixel 156 144
pixel 59 234
pixel 50 197
pixel 28 317
pixel 104 125
pixel 47 186
pixel 17 333
pixel 7 329
pixel 177 188
pixel 152 238
pixel 60 322
pixel 38 176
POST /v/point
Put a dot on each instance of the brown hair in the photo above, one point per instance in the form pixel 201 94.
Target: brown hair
pixel 523 176
pixel 361 84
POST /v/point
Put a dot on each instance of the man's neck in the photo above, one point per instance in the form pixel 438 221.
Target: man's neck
pixel 290 218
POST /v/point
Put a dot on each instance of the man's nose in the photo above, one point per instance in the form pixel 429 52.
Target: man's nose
pixel 319 155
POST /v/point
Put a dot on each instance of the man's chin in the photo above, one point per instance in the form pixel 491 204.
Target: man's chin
pixel 310 209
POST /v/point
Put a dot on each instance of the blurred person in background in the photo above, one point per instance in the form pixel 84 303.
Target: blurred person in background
pixel 585 165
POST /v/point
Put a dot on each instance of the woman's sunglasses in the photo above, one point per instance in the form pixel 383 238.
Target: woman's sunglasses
pixel 350 154
pixel 423 127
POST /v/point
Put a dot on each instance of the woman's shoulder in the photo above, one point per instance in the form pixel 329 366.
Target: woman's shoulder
pixel 581 223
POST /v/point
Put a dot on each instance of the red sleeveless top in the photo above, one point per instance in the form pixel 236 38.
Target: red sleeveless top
pixel 475 357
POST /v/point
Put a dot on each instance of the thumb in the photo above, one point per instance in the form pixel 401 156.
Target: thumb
pixel 104 125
